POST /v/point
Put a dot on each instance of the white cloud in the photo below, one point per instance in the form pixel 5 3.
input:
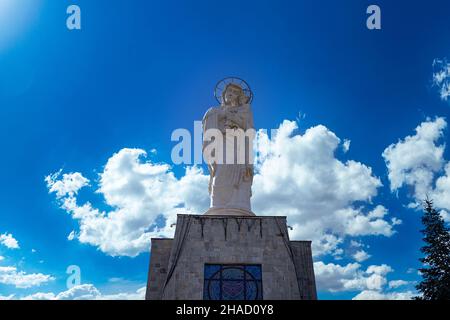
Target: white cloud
pixel 39 296
pixel 138 295
pixel 361 256
pixel 8 241
pixel 337 254
pixel 346 145
pixel 372 223
pixel 299 176
pixel 2 258
pixel 10 297
pixel 371 283
pixel 377 295
pixel 417 161
pixel 441 77
pixel 69 184
pixel 331 277
pixel 381 270
pixel 139 192
pixel 441 193
pixel 80 292
pixel 413 160
pixel 87 292
pixel 334 278
pixel 356 244
pixel 20 279
pixel 320 202
pixel 71 235
pixel 397 283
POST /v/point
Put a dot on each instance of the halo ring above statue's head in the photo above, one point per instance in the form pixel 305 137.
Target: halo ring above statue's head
pixel 222 85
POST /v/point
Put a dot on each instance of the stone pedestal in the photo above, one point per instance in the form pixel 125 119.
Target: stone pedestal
pixel 177 265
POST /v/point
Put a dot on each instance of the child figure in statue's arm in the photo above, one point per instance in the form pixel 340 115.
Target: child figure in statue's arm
pixel 236 111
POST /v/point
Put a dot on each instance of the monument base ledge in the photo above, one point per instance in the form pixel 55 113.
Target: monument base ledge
pixel 229 212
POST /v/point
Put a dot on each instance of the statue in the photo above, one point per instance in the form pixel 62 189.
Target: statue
pixel 230 168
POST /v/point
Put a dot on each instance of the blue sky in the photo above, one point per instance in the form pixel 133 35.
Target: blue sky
pixel 137 70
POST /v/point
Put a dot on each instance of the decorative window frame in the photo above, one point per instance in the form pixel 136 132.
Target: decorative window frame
pixel 215 272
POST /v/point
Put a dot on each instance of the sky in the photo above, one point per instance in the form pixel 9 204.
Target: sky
pixel 86 118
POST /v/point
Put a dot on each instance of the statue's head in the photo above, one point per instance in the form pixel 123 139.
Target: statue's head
pixel 234 95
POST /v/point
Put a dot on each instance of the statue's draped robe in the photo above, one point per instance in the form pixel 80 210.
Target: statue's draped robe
pixel 230 183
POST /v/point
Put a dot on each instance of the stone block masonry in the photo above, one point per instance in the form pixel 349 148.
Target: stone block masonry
pixel 177 265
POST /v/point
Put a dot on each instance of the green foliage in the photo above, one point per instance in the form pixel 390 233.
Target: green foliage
pixel 435 284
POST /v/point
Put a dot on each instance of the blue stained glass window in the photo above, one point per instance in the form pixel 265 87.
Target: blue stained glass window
pixel 232 282
pixel 212 291
pixel 233 290
pixel 233 273
pixel 252 290
pixel 254 271
pixel 212 272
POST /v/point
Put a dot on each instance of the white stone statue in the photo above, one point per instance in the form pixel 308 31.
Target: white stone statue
pixel 231 169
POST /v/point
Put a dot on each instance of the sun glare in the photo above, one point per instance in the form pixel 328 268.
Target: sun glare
pixel 16 17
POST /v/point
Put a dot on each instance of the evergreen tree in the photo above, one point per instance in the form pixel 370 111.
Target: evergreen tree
pixel 435 284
